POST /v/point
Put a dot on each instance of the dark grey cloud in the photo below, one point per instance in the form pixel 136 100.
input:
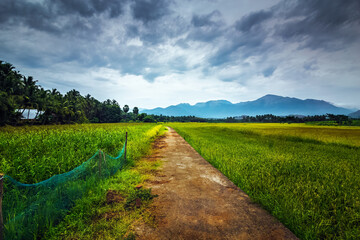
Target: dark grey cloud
pixel 315 24
pixel 31 14
pixel 45 16
pixel 319 24
pixel 252 20
pixel 241 44
pixel 87 8
pixel 150 10
pixel 207 27
pixel 268 72
pixel 132 30
pixel 159 31
pixel 206 20
pixel 240 47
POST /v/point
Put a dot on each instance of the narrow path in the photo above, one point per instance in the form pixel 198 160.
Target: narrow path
pixel 196 201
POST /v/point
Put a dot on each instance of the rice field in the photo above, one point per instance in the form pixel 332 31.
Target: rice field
pixel 306 176
pixel 31 154
pixel 34 154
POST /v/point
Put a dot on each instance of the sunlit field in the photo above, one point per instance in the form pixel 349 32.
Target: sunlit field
pixel 329 134
pixel 34 154
pixel 306 176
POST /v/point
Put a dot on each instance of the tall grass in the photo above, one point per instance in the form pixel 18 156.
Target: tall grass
pixel 308 177
pixel 33 154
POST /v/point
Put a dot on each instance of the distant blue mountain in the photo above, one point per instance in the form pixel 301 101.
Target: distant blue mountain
pixel 269 104
pixel 355 114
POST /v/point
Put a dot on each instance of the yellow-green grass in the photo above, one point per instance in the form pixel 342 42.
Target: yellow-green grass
pixel 93 218
pixel 349 135
pixel 33 154
pixel 306 176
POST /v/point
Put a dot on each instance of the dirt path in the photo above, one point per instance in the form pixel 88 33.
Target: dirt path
pixel 196 201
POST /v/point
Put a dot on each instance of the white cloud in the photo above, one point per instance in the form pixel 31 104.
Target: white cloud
pixel 135 42
pixel 190 87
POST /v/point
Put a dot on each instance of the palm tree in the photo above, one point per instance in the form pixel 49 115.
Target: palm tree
pixel 30 93
pixel 11 92
pixel 42 100
pixel 136 110
pixel 126 108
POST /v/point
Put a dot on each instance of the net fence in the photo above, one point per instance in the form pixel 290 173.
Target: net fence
pixel 30 209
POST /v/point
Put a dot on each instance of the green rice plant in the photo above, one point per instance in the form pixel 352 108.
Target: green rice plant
pixel 35 154
pixel 308 177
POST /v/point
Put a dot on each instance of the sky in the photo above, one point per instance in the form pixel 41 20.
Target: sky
pixel 156 53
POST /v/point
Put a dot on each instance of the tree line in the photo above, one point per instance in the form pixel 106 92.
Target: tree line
pixel 265 118
pixel 270 118
pixel 19 93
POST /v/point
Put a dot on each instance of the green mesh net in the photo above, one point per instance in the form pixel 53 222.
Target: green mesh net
pixel 30 209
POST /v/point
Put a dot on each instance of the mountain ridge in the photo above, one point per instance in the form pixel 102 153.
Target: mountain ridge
pixel 355 114
pixel 268 104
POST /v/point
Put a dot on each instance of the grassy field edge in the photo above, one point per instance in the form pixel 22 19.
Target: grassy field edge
pixel 110 211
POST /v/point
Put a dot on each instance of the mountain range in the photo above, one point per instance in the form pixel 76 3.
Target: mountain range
pixel 268 104
pixel 355 114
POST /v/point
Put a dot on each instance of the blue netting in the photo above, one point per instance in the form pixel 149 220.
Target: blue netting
pixel 30 209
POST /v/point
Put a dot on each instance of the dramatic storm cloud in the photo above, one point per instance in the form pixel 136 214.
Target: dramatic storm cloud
pixel 152 53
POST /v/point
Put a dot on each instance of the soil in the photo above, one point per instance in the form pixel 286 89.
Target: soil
pixel 196 201
pixel 113 197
